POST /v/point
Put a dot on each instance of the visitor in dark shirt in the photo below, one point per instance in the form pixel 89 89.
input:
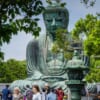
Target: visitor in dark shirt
pixel 9 95
pixel 5 93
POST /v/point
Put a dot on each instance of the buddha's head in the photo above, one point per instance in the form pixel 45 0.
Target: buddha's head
pixel 55 17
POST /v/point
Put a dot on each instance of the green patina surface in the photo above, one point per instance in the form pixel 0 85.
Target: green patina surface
pixel 76 73
pixel 43 66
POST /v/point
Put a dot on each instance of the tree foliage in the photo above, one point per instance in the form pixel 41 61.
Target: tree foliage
pixel 94 74
pixel 88 3
pixel 91 27
pixel 19 15
pixel 61 43
pixel 12 70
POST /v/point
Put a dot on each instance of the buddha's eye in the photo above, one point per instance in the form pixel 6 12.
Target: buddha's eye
pixel 49 20
pixel 59 19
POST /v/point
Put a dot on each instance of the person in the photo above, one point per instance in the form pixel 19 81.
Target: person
pixel 98 95
pixel 46 88
pixel 29 94
pixel 0 96
pixel 83 92
pixel 60 93
pixel 21 98
pixel 16 93
pixel 43 94
pixel 45 91
pixel 36 93
pixel 51 95
pixel 9 95
pixel 5 92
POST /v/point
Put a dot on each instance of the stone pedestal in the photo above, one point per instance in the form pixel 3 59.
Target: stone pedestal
pixel 76 72
pixel 75 89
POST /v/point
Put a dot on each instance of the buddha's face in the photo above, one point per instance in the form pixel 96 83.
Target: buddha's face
pixel 55 20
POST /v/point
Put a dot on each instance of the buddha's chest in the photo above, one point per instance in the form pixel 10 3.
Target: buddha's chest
pixel 54 60
pixel 55 63
pixel 54 56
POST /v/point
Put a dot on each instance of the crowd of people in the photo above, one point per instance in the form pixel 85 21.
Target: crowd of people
pixel 35 93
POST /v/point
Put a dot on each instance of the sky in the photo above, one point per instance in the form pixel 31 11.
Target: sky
pixel 16 49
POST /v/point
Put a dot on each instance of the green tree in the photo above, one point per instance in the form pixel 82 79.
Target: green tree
pixel 12 70
pixel 21 15
pixel 62 44
pixel 18 15
pixel 94 74
pixel 90 26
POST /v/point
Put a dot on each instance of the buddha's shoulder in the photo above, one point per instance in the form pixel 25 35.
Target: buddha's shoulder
pixel 39 40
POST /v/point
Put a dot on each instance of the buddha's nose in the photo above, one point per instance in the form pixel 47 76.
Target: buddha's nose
pixel 53 22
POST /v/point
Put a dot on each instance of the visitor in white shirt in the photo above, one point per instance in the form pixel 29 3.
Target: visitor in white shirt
pixel 37 94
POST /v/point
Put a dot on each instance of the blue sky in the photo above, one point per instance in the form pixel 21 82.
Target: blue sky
pixel 17 47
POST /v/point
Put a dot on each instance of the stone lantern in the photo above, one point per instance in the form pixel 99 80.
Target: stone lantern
pixel 76 72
